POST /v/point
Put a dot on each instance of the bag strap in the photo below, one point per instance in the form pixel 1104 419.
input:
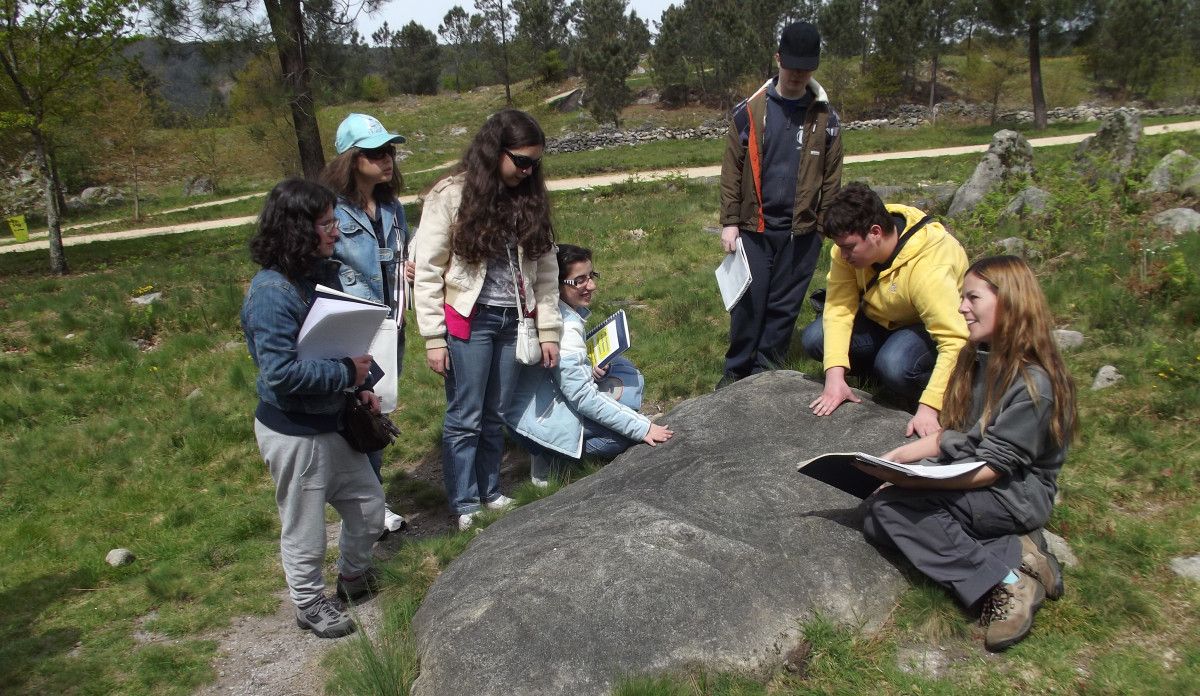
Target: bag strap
pixel 512 269
pixel 884 265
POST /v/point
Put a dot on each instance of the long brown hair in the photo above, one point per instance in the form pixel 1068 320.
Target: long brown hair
pixel 339 176
pixel 491 214
pixel 286 239
pixel 1022 338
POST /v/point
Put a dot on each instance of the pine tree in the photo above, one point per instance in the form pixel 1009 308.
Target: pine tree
pixel 609 46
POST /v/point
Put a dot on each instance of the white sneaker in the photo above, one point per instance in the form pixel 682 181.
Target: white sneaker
pixel 465 521
pixel 500 503
pixel 391 521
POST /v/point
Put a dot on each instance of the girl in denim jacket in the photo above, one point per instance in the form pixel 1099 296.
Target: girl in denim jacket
pixel 296 423
pixel 373 244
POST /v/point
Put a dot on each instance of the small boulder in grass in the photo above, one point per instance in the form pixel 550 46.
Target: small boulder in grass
pixel 1067 339
pixel 637 235
pixel 1187 566
pixel 119 557
pixel 1060 548
pixel 147 299
pixel 1106 377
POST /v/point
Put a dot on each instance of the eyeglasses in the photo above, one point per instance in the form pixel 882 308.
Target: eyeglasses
pixel 522 162
pixel 378 153
pixel 580 281
pixel 326 226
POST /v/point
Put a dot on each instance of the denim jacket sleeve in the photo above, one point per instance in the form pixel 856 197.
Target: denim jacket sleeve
pixel 574 378
pixel 273 315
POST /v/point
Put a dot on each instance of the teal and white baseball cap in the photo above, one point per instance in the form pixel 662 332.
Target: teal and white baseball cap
pixel 364 132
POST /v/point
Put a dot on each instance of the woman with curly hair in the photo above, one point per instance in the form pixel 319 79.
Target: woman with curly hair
pixel 484 253
pixel 1010 404
pixel 373 245
pixel 296 422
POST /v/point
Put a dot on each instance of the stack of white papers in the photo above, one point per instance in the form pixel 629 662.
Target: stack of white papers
pixel 339 326
pixel 733 276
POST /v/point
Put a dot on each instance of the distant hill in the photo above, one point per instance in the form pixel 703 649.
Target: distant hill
pixel 192 76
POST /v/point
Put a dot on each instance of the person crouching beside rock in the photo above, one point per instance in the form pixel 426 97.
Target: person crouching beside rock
pixel 563 410
pixel 299 404
pixel 1010 403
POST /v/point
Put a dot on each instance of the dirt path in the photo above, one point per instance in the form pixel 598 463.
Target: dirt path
pixel 569 184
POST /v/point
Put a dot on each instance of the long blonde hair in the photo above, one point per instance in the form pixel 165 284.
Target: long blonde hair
pixel 1021 338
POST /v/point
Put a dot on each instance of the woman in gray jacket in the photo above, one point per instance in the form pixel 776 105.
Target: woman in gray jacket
pixel 1010 403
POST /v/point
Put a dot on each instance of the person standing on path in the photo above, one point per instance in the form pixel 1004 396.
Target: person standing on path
pixel 782 165
pixel 300 403
pixel 373 245
pixel 485 253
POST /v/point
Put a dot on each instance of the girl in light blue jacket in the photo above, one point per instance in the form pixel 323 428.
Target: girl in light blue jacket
pixel 563 410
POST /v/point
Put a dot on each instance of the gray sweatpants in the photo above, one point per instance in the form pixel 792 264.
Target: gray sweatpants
pixel 964 540
pixel 310 471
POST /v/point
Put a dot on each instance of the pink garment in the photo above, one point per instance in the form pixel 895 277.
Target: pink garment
pixel 457 325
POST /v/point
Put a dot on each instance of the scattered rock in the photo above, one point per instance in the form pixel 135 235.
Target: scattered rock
pixel 1013 246
pixel 199 186
pixel 931 661
pixel 1009 157
pixel 1187 566
pixel 662 557
pixel 637 235
pixel 101 195
pixel 1067 339
pixel 1178 220
pixel 147 299
pixel 714 230
pixel 1190 188
pixel 119 557
pixel 1173 169
pixel 234 345
pixel 457 130
pixel 1060 548
pixel 195 394
pixel 69 336
pixel 1028 203
pixel 1110 153
pixel 1106 377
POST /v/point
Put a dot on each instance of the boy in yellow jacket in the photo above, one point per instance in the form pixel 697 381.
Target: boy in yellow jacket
pixel 891 307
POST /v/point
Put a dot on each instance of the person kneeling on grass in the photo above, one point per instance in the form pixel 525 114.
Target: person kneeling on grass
pixel 299 404
pixel 1010 403
pixel 562 410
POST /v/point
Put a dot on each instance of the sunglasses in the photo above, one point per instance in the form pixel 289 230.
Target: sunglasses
pixel 522 162
pixel 378 153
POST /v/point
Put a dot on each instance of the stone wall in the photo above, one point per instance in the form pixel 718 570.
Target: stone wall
pixel 906 116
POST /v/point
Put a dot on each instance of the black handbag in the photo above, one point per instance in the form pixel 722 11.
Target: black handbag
pixel 364 430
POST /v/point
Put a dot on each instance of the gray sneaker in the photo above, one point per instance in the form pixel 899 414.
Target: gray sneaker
pixel 363 587
pixel 326 618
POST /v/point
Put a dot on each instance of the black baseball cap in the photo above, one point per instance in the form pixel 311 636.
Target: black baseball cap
pixel 800 47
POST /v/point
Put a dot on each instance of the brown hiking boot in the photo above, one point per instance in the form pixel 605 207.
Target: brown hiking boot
pixel 1008 612
pixel 1036 560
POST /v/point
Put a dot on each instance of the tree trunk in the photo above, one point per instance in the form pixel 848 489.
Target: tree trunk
pixel 137 211
pixel 58 260
pixel 1035 72
pixel 287 27
pixel 933 83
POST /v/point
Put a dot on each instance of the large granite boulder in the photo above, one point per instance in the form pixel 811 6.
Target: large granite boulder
pixel 709 549
pixel 1009 157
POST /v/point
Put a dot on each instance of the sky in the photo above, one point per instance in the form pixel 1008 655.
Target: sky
pixel 429 13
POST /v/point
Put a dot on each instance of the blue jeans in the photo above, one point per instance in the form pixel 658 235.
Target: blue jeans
pixel 600 442
pixel 902 359
pixel 479 385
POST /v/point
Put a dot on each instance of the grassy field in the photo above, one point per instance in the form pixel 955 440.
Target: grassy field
pixel 105 443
